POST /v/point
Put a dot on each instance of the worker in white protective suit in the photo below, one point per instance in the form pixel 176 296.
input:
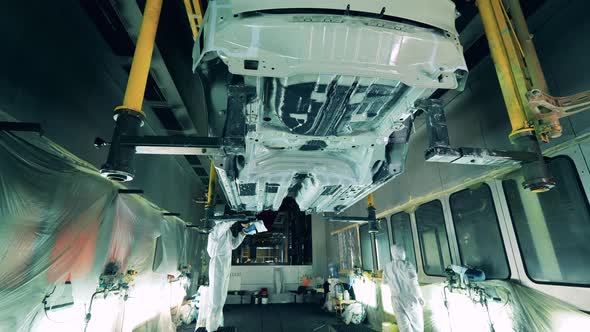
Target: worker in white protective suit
pixel 220 244
pixel 406 296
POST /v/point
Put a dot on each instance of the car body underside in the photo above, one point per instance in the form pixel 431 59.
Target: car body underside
pixel 318 102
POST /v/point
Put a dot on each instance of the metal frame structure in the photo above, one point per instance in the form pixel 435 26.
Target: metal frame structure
pixel 533 113
pixel 374 227
pixel 194 14
pixel 129 117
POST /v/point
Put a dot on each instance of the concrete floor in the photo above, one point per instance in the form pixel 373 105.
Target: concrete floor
pixel 276 318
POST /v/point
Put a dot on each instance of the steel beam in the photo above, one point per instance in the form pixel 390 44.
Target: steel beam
pixel 21 126
pixel 174 145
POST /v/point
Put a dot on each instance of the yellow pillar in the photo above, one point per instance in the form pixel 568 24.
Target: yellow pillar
pixel 211 189
pixel 510 73
pixel 371 200
pixel 142 57
pixel 533 65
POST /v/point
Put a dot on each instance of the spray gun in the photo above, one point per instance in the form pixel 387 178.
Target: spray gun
pixel 464 280
pixel 464 275
pixel 111 282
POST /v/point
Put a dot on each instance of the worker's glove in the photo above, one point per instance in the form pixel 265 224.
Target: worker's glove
pixel 255 228
pixel 250 230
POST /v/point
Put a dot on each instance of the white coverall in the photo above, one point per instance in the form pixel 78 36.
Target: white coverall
pixel 406 296
pixel 220 244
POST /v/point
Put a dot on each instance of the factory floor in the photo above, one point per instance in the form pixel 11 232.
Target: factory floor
pixel 275 318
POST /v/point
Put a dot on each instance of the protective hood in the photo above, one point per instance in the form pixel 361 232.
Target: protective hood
pixel 398 253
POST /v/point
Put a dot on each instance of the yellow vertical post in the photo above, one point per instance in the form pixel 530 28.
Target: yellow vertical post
pixel 191 20
pixel 194 13
pixel 142 58
pixel 533 65
pixel 508 57
pixel 198 12
pixel 526 40
pixel 371 200
pixel 129 116
pixel 211 189
pixel 504 67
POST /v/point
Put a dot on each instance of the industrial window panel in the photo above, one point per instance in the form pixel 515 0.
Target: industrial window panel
pixel 402 234
pixel 366 251
pixel 478 232
pixel 553 228
pixel 432 234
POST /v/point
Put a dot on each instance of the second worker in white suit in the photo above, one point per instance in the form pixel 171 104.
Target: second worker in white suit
pixel 220 243
pixel 406 296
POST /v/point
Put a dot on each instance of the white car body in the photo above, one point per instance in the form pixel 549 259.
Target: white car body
pixel 319 95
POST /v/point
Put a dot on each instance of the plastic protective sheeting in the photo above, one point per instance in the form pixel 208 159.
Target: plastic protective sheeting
pixel 536 311
pixel 279 280
pixel 203 306
pixel 348 249
pixel 510 307
pixel 60 221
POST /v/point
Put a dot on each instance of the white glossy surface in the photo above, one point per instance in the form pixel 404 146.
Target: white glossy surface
pixel 292 51
pixel 437 13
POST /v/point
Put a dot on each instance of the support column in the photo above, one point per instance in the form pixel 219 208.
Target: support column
pixel 534 69
pixel 511 76
pixel 373 230
pixel 129 117
pixel 320 248
pixel 439 145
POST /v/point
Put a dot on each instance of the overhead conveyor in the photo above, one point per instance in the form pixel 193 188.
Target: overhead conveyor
pixel 533 113
pixel 129 117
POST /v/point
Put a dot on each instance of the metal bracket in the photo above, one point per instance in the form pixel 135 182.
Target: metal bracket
pixel 440 149
pixel 544 106
pixel 478 156
pixel 371 218
pixel 548 110
pixel 357 220
pixel 176 145
pixel 21 126
pixel 374 228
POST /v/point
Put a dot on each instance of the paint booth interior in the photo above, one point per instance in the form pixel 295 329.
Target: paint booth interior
pixel 234 165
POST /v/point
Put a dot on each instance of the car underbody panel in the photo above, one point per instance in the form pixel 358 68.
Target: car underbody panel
pixel 320 106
